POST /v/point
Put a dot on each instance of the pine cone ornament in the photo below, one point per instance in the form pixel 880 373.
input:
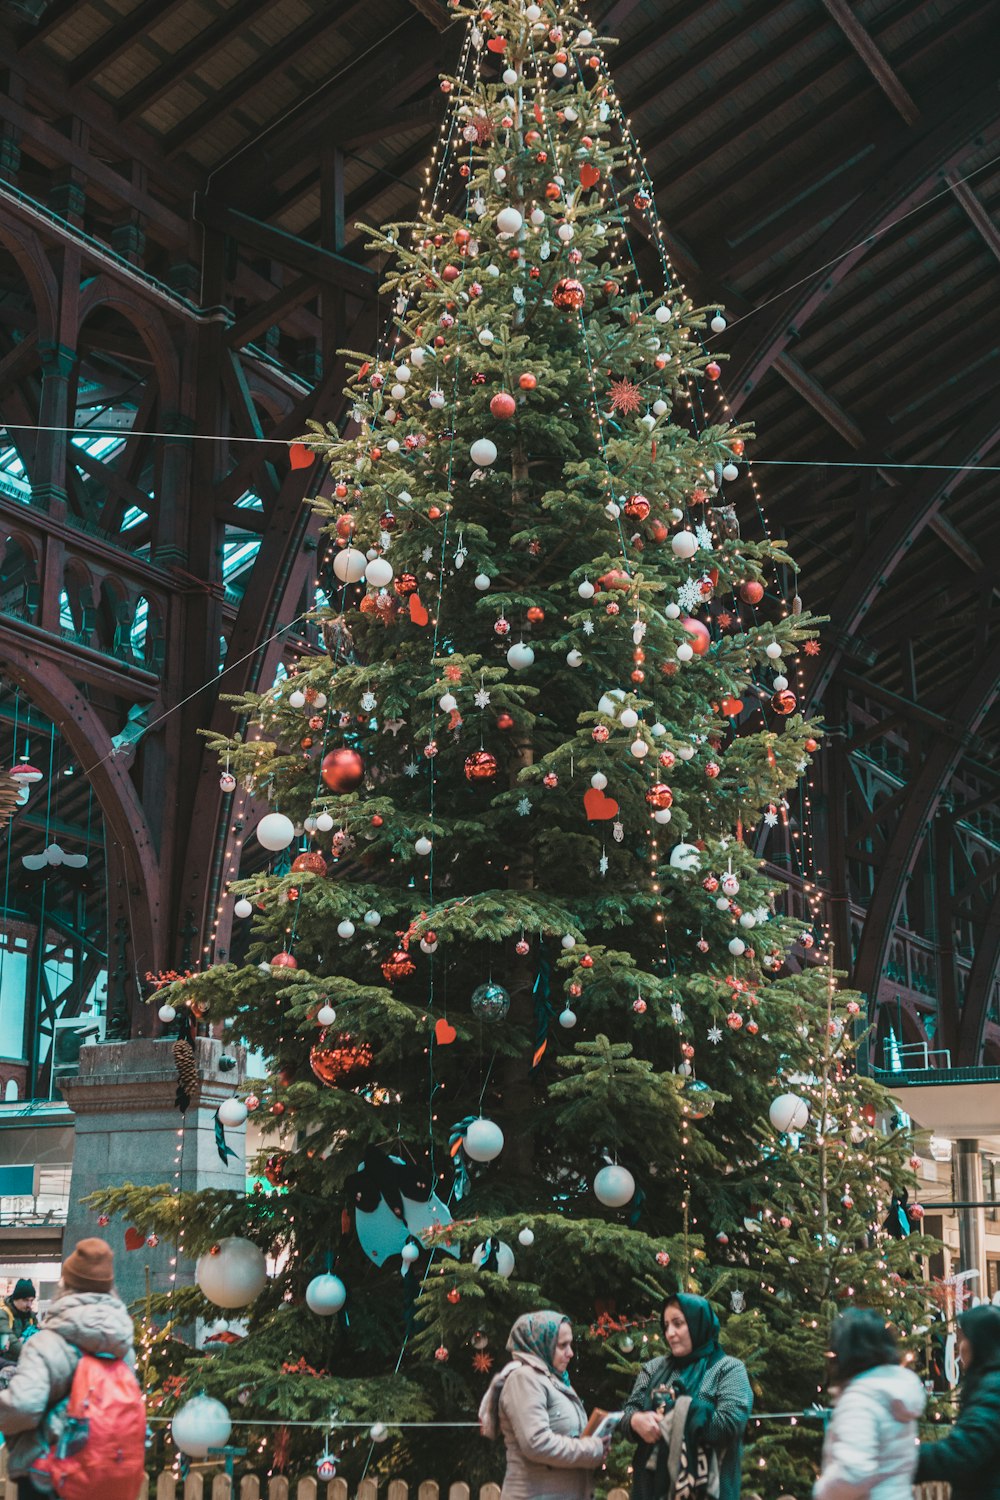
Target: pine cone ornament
pixel 187 1073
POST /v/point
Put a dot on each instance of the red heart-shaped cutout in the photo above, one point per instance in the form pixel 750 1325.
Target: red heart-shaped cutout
pixel 444 1032
pixel 134 1239
pixel 598 807
pixel 589 175
pixel 418 613
pixel 300 456
pixel 496 44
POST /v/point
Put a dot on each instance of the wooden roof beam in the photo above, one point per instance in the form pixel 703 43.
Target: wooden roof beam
pixel 874 59
pixel 325 265
pixel 186 59
pixel 809 388
pixel 119 37
pixel 975 212
pixel 435 12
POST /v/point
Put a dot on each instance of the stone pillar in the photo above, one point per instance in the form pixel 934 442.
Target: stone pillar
pixel 127 1132
pixel 968 1180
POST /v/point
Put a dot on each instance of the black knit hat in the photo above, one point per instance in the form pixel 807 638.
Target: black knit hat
pixel 24 1288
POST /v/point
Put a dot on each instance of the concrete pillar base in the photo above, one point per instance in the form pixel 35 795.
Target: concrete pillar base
pixel 129 1130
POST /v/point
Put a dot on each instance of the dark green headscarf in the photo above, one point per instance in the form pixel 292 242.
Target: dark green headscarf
pixel 703 1327
pixel 536 1333
pixel 981 1326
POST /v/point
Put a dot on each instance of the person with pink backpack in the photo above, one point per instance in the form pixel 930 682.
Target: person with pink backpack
pixel 72 1411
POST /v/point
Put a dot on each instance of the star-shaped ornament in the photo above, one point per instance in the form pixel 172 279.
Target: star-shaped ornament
pixel 771 819
pixel 427 554
pixel 524 807
pixel 704 537
pixel 625 396
pixel 714 1035
pixel 811 648
pixel 482 698
pixel 603 864
pixel 412 768
pixel 588 627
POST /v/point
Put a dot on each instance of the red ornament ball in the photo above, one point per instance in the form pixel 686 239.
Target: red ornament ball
pixel 713 371
pixel 336 1059
pixel 399 965
pixel 521 947
pixel 343 770
pixel 454 1295
pixel 667 759
pixel 638 507
pixel 812 745
pixel 568 294
pixel 505 720
pixel 784 702
pixel 698 634
pixel 405 584
pixel 712 769
pixel 309 862
pixel 639 1006
pixel 527 381
pixel 751 592
pixel 284 961
pixel 601 733
pixel 659 795
pixel 734 1020
pixel 481 765
pixel 503 406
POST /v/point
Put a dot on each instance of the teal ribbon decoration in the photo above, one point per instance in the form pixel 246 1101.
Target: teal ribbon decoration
pixel 542 990
pixel 456 1139
pixel 226 1153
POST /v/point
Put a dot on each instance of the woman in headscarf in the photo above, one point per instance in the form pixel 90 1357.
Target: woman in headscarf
pixel 688 1410
pixel 969 1457
pixel 532 1404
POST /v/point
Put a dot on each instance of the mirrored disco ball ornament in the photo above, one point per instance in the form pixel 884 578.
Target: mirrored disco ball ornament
pixel 490 1003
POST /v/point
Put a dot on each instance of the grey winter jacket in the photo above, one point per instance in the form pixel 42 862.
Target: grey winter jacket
pixel 541 1420
pixel 870 1449
pixel 76 1323
pixel 726 1389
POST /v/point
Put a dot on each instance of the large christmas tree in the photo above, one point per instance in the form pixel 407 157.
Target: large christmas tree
pixel 514 962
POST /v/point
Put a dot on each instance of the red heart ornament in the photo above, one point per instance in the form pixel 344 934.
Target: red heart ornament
pixel 589 175
pixel 300 456
pixel 418 612
pixel 444 1032
pixel 496 44
pixel 598 807
pixel 134 1239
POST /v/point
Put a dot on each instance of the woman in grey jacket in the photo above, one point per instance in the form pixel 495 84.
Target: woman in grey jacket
pixel 688 1410
pixel 532 1404
pixel 870 1449
pixel 85 1317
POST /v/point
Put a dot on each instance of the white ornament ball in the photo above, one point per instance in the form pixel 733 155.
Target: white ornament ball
pixel 662 815
pixel 275 831
pixel 660 408
pixel 788 1112
pixel 326 1016
pixel 639 749
pixel 345 929
pixel 565 231
pixel 324 822
pixel 648 421
pixel 599 781
pixel 435 399
pixel 325 1295
pixel 505 1258
pixel 403 373
pixel 568 941
pixel 614 1186
pixel 372 918
pixel 559 70
pixel 737 946
pixel 532 12
pixel 672 611
pixel 510 77
pixel 586 589
pixel 748 919
pixel 685 651
pixel 482 582
pixel 296 698
pixel 379 573
pixel 585 37
pixel 167 1013
pixel 730 472
pixel 685 752
pixel 234 1275
pixel 349 565
pixel 773 650
pixel 200 1424
pixel 232 1112
pixel 684 543
pixel 722 903
pixel 520 656
pixel 718 324
pixel 483 453
pixel 574 658
pixel 780 683
pixel 537 217
pixel 662 314
pixel 483 1140
pixel 509 221
pixel 526 1237
pixel 423 845
pixel 485 337
pixel 409 1253
pixel 730 884
pixel 567 1018
pixel 378 1432
pixel 447 703
pixel 628 718
pixel 685 857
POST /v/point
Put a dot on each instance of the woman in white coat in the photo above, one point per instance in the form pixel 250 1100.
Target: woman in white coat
pixel 531 1403
pixel 870 1451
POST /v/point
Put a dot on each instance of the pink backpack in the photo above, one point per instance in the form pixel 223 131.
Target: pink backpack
pixel 101 1449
